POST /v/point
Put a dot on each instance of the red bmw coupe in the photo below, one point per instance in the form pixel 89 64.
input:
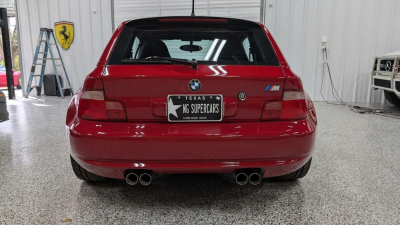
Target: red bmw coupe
pixel 191 95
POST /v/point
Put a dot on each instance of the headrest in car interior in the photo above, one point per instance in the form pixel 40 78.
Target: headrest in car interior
pixel 154 48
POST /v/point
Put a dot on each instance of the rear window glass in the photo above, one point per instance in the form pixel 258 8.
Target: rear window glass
pixel 207 45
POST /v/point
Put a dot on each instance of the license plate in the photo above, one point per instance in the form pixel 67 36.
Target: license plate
pixel 194 108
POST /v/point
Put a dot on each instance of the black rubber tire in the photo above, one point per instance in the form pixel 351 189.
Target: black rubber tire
pixel 83 174
pixel 392 98
pixel 19 83
pixel 300 173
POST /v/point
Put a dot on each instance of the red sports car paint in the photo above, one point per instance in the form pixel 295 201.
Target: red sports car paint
pixel 3 78
pixel 140 87
pixel 109 148
pixel 110 46
pixel 148 141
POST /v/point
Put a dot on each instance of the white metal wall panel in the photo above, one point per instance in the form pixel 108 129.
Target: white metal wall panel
pixel 92 31
pixel 248 10
pixel 134 9
pixel 357 31
pixel 183 8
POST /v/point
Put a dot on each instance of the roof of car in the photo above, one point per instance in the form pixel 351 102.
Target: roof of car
pixel 193 19
pixel 396 53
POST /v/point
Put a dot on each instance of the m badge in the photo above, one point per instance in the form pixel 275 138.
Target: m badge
pixel 64 32
pixel 272 88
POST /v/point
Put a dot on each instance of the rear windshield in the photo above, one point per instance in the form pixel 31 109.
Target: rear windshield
pixel 208 45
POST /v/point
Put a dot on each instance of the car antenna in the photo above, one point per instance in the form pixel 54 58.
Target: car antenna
pixel 192 9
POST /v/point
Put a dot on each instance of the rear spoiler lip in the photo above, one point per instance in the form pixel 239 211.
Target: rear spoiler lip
pixel 211 20
pixel 201 19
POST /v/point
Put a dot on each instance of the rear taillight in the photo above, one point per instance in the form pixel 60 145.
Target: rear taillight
pixel 72 103
pixel 94 106
pixel 293 106
pixel 71 112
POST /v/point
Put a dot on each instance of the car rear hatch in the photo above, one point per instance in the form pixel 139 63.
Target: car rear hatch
pixel 235 61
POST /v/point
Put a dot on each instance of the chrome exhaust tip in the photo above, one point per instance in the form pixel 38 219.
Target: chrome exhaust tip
pixel 132 178
pixel 145 179
pixel 241 178
pixel 255 179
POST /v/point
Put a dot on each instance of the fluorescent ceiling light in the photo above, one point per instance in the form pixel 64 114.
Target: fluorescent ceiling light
pixel 210 51
pixel 219 50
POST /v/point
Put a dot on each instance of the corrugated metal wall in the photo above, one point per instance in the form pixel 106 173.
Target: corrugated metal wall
pixel 134 9
pixel 357 31
pixel 92 27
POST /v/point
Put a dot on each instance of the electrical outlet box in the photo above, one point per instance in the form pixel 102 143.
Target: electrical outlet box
pixel 324 40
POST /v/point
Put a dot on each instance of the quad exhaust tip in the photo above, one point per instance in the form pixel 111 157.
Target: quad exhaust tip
pixel 244 178
pixel 255 179
pixel 145 179
pixel 241 178
pixel 132 178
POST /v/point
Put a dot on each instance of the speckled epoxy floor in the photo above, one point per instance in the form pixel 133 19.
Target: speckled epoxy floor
pixel 354 178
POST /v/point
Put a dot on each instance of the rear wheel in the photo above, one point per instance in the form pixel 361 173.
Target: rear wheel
pixel 392 98
pixel 19 82
pixel 300 173
pixel 83 174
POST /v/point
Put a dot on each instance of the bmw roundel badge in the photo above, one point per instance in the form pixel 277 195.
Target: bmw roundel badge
pixel 194 85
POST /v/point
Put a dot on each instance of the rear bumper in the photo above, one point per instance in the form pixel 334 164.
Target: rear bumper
pixel 109 148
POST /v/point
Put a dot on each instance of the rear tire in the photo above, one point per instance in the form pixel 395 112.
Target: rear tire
pixel 19 82
pixel 300 173
pixel 83 174
pixel 392 98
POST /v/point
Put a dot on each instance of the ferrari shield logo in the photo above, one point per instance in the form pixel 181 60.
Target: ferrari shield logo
pixel 64 32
